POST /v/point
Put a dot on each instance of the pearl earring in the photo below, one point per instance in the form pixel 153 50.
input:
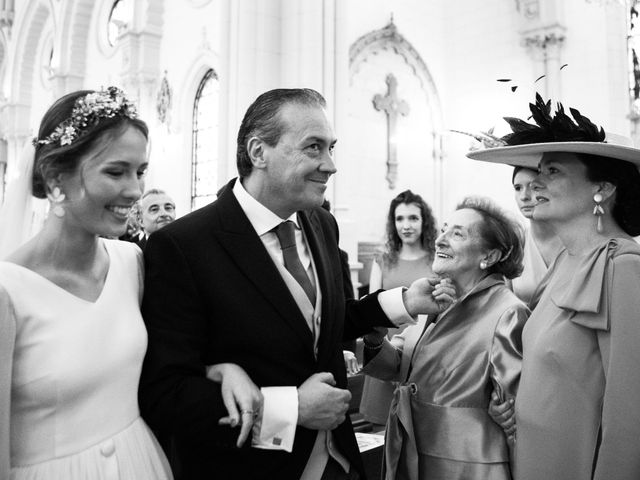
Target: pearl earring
pixel 598 211
pixel 57 197
pixel 483 265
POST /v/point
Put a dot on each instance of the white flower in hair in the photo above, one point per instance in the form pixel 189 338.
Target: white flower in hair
pixel 87 112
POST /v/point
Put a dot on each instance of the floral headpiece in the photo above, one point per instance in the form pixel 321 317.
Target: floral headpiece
pixel 87 112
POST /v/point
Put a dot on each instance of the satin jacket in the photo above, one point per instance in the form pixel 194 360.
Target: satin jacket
pixel 447 371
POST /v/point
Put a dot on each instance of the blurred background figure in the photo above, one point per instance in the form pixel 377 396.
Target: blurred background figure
pixel 541 246
pixel 408 254
pixel 155 209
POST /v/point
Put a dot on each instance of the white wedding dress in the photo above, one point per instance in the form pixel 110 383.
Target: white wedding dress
pixel 74 377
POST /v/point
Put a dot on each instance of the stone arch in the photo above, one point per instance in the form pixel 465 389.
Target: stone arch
pixel 388 38
pixel 191 82
pixel 72 42
pixel 417 160
pixel 30 31
pixel 76 19
pixel 188 85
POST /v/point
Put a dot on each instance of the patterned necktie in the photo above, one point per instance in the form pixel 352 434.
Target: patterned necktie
pixel 287 237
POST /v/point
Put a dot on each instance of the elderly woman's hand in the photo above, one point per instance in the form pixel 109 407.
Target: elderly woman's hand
pixel 350 362
pixel 238 392
pixel 503 414
pixel 429 296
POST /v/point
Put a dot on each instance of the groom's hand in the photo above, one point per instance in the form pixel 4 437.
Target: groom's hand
pixel 429 296
pixel 321 406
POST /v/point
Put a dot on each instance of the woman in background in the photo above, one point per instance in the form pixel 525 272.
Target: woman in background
pixel 541 245
pixel 408 254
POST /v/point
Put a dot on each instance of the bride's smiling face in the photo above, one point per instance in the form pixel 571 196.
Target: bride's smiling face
pixel 108 181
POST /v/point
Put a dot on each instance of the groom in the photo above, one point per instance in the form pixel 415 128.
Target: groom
pixel 255 279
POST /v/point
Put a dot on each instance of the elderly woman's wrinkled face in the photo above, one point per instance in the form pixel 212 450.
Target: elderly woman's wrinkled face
pixel 562 190
pixel 523 192
pixel 459 247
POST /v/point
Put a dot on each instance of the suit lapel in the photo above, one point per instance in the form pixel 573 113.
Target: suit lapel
pixel 239 239
pixel 313 232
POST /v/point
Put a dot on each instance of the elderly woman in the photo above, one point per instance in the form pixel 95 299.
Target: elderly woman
pixel 438 427
pixel 577 410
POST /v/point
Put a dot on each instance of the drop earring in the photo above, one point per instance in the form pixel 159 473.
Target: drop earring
pixel 598 211
pixel 483 265
pixel 57 197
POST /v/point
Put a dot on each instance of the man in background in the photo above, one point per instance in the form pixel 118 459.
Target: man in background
pixel 156 209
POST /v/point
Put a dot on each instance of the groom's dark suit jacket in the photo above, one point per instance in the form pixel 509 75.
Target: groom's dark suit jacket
pixel 212 295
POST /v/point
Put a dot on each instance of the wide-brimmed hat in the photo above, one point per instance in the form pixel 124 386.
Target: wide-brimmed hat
pixel 529 155
pixel 552 132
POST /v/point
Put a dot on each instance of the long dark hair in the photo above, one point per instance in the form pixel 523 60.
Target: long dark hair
pixel 428 236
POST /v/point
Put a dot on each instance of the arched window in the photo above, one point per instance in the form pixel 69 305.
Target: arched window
pixel 119 19
pixel 3 169
pixel 204 152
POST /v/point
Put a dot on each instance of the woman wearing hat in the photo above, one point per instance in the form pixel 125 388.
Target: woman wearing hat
pixel 577 409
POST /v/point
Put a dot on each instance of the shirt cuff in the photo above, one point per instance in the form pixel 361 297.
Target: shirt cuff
pixel 393 307
pixel 276 430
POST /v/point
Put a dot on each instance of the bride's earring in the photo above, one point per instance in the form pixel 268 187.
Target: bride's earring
pixel 598 211
pixel 57 197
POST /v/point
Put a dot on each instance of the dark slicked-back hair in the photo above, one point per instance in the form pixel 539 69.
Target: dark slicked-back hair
pixel 429 233
pixel 498 230
pixel 53 159
pixel 262 119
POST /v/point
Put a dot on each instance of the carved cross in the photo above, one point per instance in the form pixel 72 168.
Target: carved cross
pixel 391 106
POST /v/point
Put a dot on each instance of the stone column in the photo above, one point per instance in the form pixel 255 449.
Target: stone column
pixel 543 33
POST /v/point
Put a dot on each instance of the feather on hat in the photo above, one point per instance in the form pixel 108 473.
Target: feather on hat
pixel 555 133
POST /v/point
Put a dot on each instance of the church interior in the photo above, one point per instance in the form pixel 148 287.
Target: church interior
pixel 398 77
pixel 401 78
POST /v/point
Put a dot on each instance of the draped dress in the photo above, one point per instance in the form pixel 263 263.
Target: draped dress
pixel 578 408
